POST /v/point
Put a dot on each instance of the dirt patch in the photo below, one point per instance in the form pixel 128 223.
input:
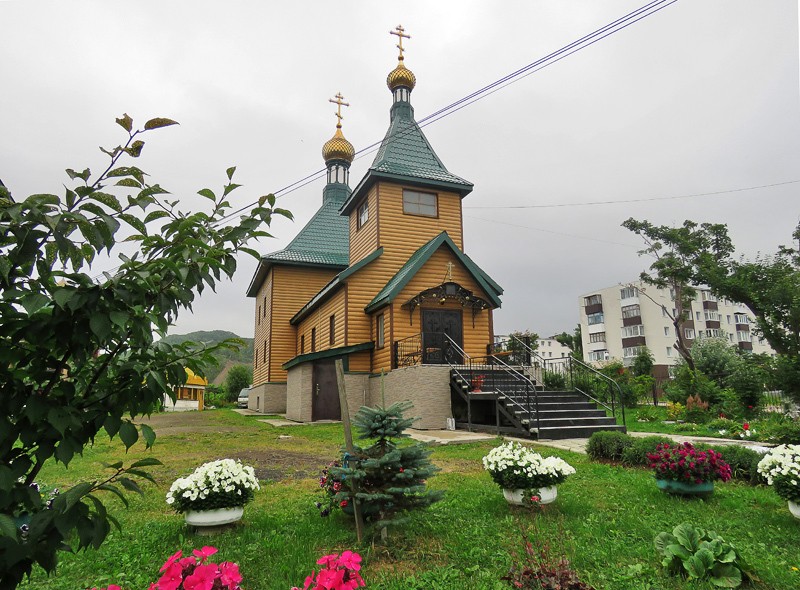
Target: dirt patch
pixel 278 465
pixel 168 423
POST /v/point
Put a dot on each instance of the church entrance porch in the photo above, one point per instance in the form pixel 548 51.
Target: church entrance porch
pixel 441 328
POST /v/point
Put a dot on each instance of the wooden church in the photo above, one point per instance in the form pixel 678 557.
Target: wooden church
pixel 378 278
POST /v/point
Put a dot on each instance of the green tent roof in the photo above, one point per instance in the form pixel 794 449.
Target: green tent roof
pixel 406 156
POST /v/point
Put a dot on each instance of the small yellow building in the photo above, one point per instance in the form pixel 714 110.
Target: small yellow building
pixel 190 395
pixel 378 278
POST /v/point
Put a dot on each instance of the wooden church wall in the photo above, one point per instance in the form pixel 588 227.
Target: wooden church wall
pixel 364 240
pixel 321 320
pixel 293 287
pixel 262 332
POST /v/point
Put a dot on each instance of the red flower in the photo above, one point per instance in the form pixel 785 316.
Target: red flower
pixel 746 426
pixel 202 578
pixel 343 503
pixel 172 578
pixel 229 574
pixel 204 553
pixel 171 560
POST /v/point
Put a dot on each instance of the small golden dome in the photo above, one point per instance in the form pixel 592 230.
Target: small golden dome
pixel 401 76
pixel 338 148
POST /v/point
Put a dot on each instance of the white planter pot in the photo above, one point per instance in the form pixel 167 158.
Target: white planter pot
pixel 546 495
pixel 218 517
pixel 794 509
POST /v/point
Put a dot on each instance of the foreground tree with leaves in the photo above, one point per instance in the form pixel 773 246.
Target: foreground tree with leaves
pixel 77 352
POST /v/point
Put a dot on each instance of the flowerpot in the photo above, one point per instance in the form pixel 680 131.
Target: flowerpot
pixel 546 495
pixel 682 488
pixel 794 508
pixel 213 518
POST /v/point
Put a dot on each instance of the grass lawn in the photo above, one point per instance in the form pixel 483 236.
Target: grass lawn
pixel 605 518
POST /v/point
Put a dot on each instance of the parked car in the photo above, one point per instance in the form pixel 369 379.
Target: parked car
pixel 244 397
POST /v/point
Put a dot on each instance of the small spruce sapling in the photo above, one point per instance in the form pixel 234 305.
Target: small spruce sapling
pixel 386 478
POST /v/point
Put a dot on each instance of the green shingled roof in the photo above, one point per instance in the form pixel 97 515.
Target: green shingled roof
pixel 418 259
pixel 324 241
pixel 406 156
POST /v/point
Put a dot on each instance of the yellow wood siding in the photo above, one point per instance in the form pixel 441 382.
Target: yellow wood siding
pixel 262 331
pixel 320 319
pixel 292 288
pixel 359 361
pixel 364 240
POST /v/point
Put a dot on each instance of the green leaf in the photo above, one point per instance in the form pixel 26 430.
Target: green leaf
pixel 153 215
pixel 100 325
pixel 207 193
pixel 134 222
pixel 687 536
pixel 128 434
pixel 146 462
pixel 159 122
pixel 230 187
pixel 33 302
pixel 662 540
pixel 726 575
pixel 129 182
pixel 136 149
pixel 149 438
pixel 230 172
pixel 7 526
pixel 119 318
pixel 72 496
pixel 125 122
pixel 82 175
pixel 728 556
pixel 112 424
pixel 114 490
pixel 694 567
pixel 108 200
pixel 131 485
pixel 678 551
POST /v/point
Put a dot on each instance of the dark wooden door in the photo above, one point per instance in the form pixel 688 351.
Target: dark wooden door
pixel 325 392
pixel 436 349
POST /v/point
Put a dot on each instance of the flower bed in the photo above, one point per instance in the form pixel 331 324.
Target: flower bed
pixel 513 466
pixel 684 463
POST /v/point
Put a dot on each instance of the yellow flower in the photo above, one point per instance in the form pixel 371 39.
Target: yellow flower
pixel 794 569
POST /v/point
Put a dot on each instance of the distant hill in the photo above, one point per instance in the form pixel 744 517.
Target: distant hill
pixel 225 358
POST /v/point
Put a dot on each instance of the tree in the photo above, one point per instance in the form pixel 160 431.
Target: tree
pixel 572 341
pixel 239 377
pixel 388 479
pixel 77 351
pixel 519 343
pixel 675 250
pixel 642 362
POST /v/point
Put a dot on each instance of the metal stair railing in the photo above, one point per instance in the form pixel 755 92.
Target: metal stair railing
pixel 578 375
pixel 491 364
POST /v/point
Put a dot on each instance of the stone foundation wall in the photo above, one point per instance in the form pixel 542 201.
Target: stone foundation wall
pixel 268 398
pixel 299 383
pixel 426 386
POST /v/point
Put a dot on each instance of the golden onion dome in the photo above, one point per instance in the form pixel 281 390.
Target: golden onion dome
pixel 401 76
pixel 338 148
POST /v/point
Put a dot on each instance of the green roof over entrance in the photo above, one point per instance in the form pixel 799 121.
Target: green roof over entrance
pixel 418 259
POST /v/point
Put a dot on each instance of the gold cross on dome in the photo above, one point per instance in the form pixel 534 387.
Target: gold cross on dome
pixel 339 102
pixel 400 32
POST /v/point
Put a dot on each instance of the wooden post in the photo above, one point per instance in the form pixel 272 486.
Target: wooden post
pixel 348 443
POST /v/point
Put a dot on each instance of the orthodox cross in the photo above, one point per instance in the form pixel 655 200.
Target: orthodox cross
pixel 400 32
pixel 449 274
pixel 339 102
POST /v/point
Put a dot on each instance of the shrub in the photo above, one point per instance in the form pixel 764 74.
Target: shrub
pixel 675 411
pixel 698 554
pixel 696 410
pixel 718 424
pixel 636 453
pixel 787 433
pixel 608 445
pixel 742 460
pixel 554 380
pixel 648 414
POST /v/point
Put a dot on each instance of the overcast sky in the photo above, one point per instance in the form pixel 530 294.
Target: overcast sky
pixel 701 97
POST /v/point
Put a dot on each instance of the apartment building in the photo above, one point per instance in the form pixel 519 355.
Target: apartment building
pixel 550 348
pixel 616 322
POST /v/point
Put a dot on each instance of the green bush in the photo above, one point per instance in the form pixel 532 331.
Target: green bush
pixel 554 380
pixel 608 445
pixel 648 414
pixel 787 433
pixel 718 424
pixel 743 461
pixel 636 453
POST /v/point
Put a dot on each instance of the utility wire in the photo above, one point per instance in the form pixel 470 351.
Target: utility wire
pixel 648 199
pixel 549 231
pixel 565 51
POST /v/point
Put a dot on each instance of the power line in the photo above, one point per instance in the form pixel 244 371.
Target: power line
pixel 648 199
pixel 549 231
pixel 535 66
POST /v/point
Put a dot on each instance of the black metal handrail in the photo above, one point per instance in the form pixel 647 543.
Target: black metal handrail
pixel 408 351
pixel 472 369
pixel 572 372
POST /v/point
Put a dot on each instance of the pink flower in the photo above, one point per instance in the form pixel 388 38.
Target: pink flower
pixel 229 574
pixel 172 578
pixel 202 578
pixel 350 560
pixel 171 560
pixel 535 498
pixel 204 553
pixel 328 560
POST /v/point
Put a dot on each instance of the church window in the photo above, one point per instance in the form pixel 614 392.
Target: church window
pixel 302 343
pixel 379 329
pixel 332 330
pixel 363 213
pixel 417 203
pixel 313 339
